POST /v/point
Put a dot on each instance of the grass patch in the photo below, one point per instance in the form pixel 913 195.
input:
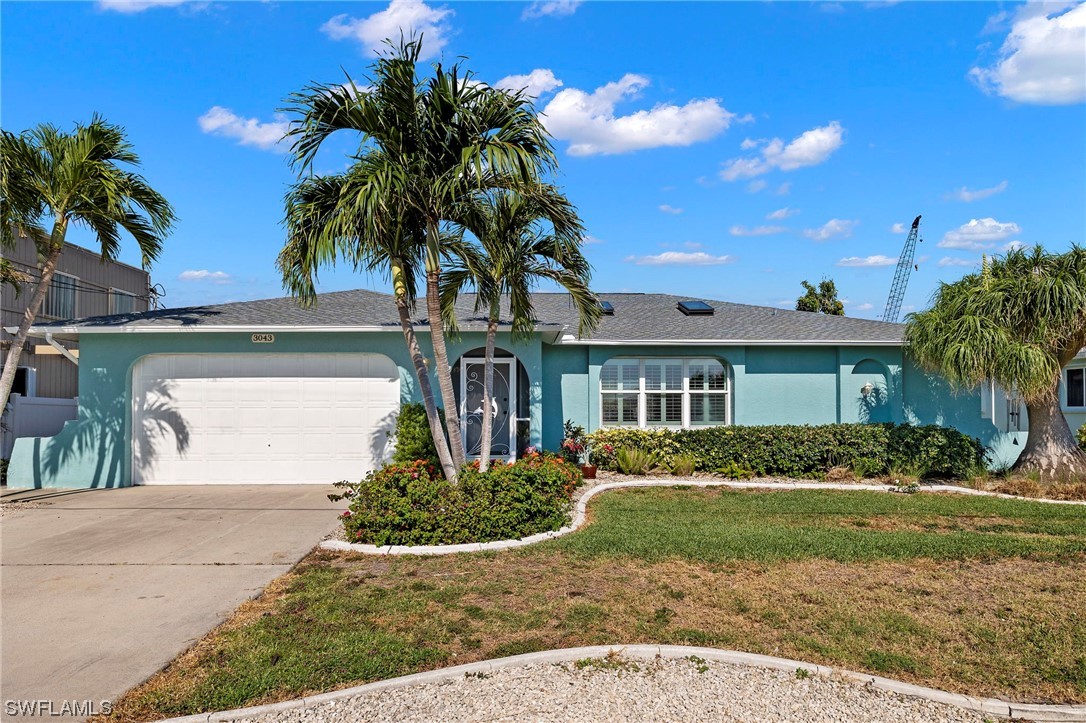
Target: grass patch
pixel 661 523
pixel 978 596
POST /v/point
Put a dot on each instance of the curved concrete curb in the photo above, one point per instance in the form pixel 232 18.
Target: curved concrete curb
pixel 579 515
pixel 992 706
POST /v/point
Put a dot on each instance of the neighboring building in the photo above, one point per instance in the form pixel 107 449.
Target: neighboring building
pixel 268 392
pixel 83 285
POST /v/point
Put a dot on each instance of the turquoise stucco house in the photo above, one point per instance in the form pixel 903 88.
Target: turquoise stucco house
pixel 267 392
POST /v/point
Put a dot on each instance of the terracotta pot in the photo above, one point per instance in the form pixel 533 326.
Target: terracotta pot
pixel 589 471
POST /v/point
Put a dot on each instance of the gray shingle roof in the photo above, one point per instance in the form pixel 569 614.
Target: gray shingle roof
pixel 637 317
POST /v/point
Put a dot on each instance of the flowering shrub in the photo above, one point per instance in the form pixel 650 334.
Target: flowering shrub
pixel 574 442
pixel 412 504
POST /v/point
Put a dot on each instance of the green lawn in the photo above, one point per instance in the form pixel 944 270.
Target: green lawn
pixel 658 523
pixel 979 596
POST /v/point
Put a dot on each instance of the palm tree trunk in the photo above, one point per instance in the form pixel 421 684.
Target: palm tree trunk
pixel 488 386
pixel 11 363
pixel 423 375
pixel 437 336
pixel 1051 449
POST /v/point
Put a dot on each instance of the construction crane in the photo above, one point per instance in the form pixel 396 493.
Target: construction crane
pixel 901 275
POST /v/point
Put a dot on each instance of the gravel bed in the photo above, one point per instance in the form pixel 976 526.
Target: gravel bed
pixel 7 509
pixel 628 690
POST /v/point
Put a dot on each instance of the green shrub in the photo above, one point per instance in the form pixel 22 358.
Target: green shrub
pixel 631 460
pixel 734 471
pixel 683 465
pixel 3 471
pixel 864 467
pixel 804 451
pixel 413 439
pixel 412 504
pixel 605 444
pixel 1081 434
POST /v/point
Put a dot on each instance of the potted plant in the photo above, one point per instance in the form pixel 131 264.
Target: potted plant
pixel 575 448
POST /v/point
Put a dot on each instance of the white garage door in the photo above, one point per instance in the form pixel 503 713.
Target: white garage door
pixel 261 418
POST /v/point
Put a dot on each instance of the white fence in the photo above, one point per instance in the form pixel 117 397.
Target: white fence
pixel 34 417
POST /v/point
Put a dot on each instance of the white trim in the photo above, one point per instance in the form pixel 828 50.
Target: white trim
pixel 572 341
pixel 559 341
pixel 62 349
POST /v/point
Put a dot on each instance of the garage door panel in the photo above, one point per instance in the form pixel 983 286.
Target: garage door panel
pixel 264 418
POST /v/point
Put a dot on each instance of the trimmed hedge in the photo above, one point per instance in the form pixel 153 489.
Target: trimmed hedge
pixel 802 450
pixel 413 504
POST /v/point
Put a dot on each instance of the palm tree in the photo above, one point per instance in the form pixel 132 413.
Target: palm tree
pixel 12 276
pixel 1019 322
pixel 426 145
pixel 76 179
pixel 515 251
pixel 325 225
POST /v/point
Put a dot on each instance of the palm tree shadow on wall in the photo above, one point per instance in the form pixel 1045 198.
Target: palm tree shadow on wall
pixel 874 407
pixel 99 434
pixel 383 439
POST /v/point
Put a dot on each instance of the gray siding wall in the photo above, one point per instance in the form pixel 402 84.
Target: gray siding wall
pixel 57 376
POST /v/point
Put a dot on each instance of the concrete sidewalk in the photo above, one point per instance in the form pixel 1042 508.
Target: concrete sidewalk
pixel 101 588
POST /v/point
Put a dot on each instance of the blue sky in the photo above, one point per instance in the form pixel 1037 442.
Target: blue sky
pixel 724 150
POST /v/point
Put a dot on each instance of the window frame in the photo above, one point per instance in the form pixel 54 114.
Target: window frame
pixel 684 393
pixel 49 295
pixel 113 293
pixel 1067 389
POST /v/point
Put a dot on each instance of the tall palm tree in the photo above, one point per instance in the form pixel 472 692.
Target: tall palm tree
pixel 75 179
pixel 426 145
pixel 1019 321
pixel 523 239
pixel 325 224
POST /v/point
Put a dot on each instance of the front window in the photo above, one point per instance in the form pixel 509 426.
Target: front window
pixel 663 393
pixel 1076 387
pixel 121 302
pixel 60 299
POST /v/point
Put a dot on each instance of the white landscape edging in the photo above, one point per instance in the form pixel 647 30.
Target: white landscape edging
pixel 579 515
pixel 992 706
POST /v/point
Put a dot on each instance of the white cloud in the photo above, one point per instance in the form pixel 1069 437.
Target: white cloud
pixel 681 258
pixel 898 228
pixel 807 149
pixel 784 189
pixel 756 231
pixel 401 17
pixel 1041 60
pixel 964 194
pixel 757 186
pixel 834 228
pixel 1012 246
pixel 589 123
pixel 667 208
pixel 876 261
pixel 535 84
pixel 749 143
pixel 782 213
pixel 693 245
pixel 221 121
pixel 556 8
pixel 589 239
pixel 863 307
pixel 950 261
pixel 129 7
pixel 978 234
pixel 212 277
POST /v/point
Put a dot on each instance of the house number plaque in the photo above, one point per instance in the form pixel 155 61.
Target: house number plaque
pixel 263 338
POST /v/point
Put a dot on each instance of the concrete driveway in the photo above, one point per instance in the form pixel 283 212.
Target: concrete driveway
pixel 101 588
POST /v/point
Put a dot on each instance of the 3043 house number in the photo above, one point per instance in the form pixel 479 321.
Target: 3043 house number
pixel 263 338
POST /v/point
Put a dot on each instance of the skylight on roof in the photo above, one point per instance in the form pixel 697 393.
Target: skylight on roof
pixel 608 308
pixel 695 308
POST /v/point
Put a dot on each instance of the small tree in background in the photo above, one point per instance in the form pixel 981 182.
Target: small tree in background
pixel 1019 321
pixel 821 300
